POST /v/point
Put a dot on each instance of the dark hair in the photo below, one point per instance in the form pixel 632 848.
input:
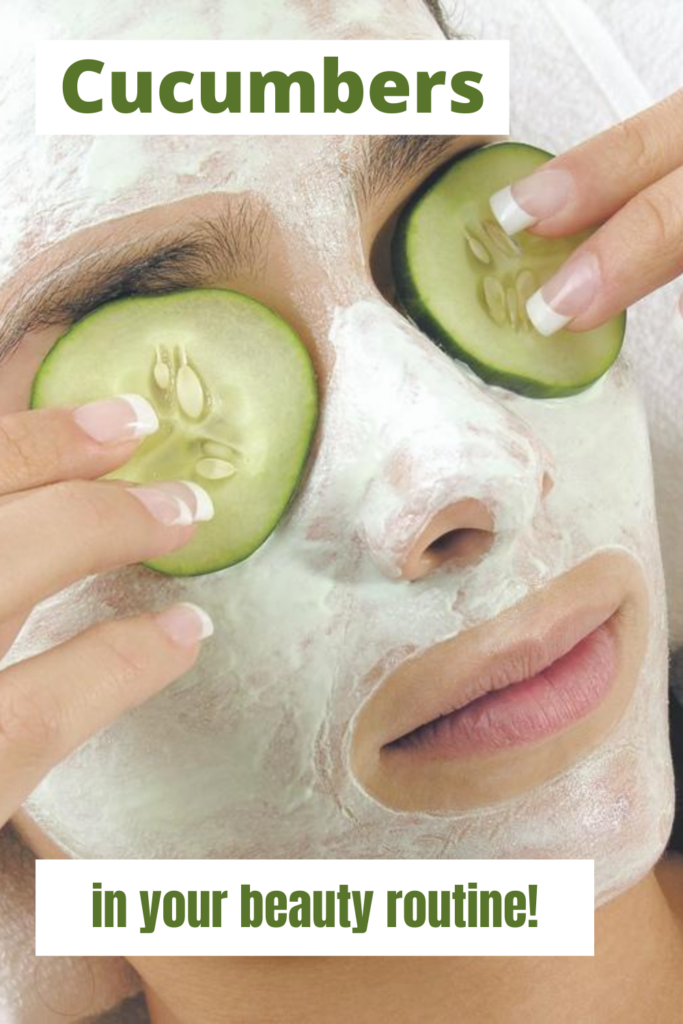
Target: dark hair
pixel 676 735
pixel 439 17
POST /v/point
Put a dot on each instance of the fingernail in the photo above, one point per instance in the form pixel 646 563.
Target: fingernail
pixel 175 503
pixel 185 623
pixel 200 501
pixel 570 292
pixel 112 420
pixel 536 197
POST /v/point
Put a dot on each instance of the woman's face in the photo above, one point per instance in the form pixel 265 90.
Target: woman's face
pixel 449 539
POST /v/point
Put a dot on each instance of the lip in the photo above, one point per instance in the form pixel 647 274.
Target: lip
pixel 530 691
pixel 511 701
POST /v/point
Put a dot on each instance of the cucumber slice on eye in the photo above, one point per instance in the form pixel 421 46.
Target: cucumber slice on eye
pixel 465 283
pixel 236 396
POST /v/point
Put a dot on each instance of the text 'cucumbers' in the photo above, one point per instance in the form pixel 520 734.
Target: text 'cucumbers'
pixel 465 282
pixel 235 392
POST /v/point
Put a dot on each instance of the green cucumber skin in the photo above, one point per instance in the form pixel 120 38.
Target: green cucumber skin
pixel 414 307
pixel 179 570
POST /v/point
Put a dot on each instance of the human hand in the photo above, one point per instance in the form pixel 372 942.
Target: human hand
pixel 59 523
pixel 629 179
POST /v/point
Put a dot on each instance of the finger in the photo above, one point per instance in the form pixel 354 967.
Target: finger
pixel 52 703
pixel 586 185
pixel 46 445
pixel 639 249
pixel 9 631
pixel 52 536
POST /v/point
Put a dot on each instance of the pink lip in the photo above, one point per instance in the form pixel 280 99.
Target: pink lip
pixel 512 708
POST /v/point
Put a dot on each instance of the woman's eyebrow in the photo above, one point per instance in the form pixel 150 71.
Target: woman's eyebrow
pixel 386 162
pixel 232 242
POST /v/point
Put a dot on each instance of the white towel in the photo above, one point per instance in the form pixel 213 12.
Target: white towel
pixel 577 66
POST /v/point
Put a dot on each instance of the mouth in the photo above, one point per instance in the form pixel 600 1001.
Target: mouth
pixel 529 692
pixel 511 701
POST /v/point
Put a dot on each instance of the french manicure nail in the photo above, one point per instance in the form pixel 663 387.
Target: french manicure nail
pixel 175 502
pixel 531 199
pixel 185 623
pixel 165 506
pixel 570 292
pixel 113 420
pixel 199 501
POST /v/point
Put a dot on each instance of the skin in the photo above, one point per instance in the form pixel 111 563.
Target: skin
pixel 443 991
pixel 642 927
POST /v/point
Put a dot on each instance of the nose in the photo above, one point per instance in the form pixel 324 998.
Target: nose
pixel 444 502
pixel 458 472
pixel 422 466
pixel 458 535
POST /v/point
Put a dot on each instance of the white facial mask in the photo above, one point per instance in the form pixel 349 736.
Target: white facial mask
pixel 247 754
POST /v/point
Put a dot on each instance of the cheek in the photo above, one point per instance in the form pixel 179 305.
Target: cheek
pixel 603 492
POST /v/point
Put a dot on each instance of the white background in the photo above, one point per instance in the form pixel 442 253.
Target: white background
pixel 367 57
pixel 64 907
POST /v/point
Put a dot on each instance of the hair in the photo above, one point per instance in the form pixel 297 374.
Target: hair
pixel 676 731
pixel 437 12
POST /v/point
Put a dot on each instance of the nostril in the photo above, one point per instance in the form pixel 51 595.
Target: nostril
pixel 462 545
pixel 459 535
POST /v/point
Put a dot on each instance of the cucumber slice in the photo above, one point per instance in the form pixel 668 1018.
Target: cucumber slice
pixel 236 396
pixel 465 283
